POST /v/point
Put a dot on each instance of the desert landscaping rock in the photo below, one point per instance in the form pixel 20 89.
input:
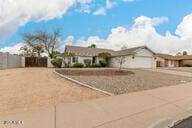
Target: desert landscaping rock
pixel 32 88
pixel 94 72
pixel 140 80
pixel 186 123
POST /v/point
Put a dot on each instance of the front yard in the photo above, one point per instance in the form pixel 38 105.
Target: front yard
pixel 134 80
pixel 32 88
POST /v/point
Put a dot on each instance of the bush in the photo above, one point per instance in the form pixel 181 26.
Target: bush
pixel 57 63
pixel 103 63
pixel 78 65
pixel 87 62
pixel 96 65
pixel 187 65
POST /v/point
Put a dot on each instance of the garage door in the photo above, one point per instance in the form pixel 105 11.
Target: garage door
pixel 141 62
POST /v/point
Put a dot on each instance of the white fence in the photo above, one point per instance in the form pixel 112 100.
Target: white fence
pixel 11 61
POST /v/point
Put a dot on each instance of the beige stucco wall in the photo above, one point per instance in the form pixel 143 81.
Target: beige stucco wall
pixel 161 60
pixel 170 63
pixel 142 59
pixel 184 62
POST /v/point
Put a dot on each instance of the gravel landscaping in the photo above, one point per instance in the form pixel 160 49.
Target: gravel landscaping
pixel 137 81
pixel 184 69
pixel 186 123
pixel 98 72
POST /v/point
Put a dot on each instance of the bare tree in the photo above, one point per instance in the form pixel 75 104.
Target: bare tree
pixel 49 41
pixel 42 41
pixel 26 51
pixel 32 42
pixel 121 60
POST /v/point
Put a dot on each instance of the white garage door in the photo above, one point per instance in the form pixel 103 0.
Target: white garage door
pixel 141 62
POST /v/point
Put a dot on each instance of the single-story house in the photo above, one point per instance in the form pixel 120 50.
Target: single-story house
pixel 166 60
pixel 138 57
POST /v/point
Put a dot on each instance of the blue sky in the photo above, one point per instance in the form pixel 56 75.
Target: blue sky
pixel 82 25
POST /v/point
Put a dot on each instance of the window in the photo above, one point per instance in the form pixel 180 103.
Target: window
pixel 75 59
pixel 94 60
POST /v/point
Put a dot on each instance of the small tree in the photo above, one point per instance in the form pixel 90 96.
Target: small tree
pixel 87 62
pixel 105 56
pixel 121 60
pixel 185 53
pixel 66 58
pixel 54 54
pixel 92 46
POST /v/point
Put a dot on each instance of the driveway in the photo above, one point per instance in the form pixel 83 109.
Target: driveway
pixel 32 88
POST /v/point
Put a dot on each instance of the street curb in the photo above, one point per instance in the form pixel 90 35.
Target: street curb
pixel 82 84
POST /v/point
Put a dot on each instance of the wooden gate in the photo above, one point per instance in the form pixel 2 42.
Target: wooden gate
pixel 35 61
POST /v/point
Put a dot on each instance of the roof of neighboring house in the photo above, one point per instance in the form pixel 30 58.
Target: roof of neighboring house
pixel 166 56
pixel 171 57
pixel 85 51
pixel 185 57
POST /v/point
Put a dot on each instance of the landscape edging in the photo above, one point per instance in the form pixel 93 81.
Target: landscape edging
pixel 82 84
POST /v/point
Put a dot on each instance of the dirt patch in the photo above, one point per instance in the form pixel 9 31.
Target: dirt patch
pixel 140 80
pixel 99 72
pixel 32 88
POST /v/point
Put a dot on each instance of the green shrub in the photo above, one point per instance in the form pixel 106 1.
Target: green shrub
pixel 103 63
pixel 57 63
pixel 96 65
pixel 87 62
pixel 78 65
pixel 187 65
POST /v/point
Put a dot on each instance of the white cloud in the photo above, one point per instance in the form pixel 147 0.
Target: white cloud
pixel 84 9
pixel 110 4
pixel 142 32
pixel 103 10
pixel 68 41
pixel 146 21
pixel 184 29
pixel 100 11
pixel 16 13
pixel 13 49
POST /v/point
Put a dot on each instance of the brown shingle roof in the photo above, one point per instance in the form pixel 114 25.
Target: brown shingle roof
pixel 185 57
pixel 84 51
pixel 166 56
pixel 170 57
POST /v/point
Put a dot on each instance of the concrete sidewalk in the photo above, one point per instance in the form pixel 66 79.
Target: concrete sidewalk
pixel 135 110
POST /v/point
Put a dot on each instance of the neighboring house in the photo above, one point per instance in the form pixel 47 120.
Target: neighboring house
pixel 138 57
pixel 165 60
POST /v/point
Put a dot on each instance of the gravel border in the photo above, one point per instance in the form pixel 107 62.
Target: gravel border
pixel 82 84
